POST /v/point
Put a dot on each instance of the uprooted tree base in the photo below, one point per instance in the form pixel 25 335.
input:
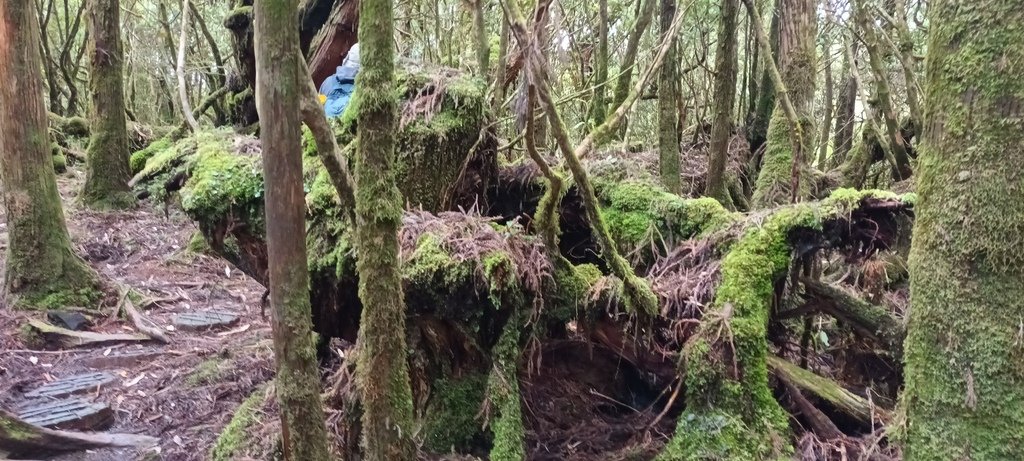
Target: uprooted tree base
pixel 521 350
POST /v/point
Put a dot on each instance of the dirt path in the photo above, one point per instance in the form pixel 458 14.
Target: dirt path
pixel 183 392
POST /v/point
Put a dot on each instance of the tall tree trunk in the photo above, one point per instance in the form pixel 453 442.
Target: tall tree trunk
pixel 41 270
pixel 382 370
pixel 765 102
pixel 483 49
pixel 278 90
pixel 783 165
pixel 843 140
pixel 668 117
pixel 599 109
pixel 883 94
pixel 643 20
pixel 186 106
pixel 826 125
pixel 107 171
pixel 906 49
pixel 725 94
pixel 964 349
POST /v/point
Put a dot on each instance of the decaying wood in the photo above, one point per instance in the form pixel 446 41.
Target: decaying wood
pixel 871 321
pixel 141 322
pixel 849 403
pixel 18 438
pixel 819 422
pixel 69 338
pixel 334 39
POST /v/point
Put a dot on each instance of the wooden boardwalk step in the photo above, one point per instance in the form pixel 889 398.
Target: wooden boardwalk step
pixel 71 414
pixel 71 385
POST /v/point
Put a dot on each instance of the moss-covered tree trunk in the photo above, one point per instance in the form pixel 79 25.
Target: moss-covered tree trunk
pixel 278 90
pixel 382 369
pixel 797 65
pixel 107 172
pixel 41 269
pixel 725 93
pixel 668 117
pixel 964 349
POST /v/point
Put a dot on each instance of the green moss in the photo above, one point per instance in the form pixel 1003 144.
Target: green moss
pixel 137 162
pixel 638 212
pixel 774 181
pixel 207 372
pixel 197 244
pixel 733 336
pixel 235 435
pixel 573 286
pixel 60 298
pixel 450 422
pixel 713 436
pixel 60 163
pixel 224 184
pixel 503 394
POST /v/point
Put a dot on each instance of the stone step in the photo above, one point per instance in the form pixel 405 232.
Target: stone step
pixel 71 385
pixel 71 414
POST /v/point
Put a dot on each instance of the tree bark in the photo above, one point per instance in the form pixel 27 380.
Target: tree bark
pixel 107 172
pixel 382 369
pixel 826 125
pixel 668 117
pixel 791 127
pixel 278 89
pixel 765 102
pixel 964 347
pixel 483 49
pixel 843 140
pixel 186 106
pixel 725 94
pixel 41 269
pixel 599 110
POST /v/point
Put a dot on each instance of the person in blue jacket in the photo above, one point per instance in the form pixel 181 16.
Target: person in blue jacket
pixel 337 90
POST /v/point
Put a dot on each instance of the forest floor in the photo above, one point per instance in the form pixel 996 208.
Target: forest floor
pixel 183 392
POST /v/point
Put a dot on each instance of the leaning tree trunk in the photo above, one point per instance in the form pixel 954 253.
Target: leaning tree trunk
pixel 278 89
pixel 382 370
pixel 964 350
pixel 668 116
pixel 107 172
pixel 784 163
pixel 622 85
pixel 725 94
pixel 41 269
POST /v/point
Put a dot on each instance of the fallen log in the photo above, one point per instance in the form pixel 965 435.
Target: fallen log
pixel 63 338
pixel 871 321
pixel 18 438
pixel 849 403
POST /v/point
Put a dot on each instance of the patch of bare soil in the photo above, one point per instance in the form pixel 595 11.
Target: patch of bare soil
pixel 183 392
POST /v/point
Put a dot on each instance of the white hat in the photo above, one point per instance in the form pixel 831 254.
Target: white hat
pixel 352 59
